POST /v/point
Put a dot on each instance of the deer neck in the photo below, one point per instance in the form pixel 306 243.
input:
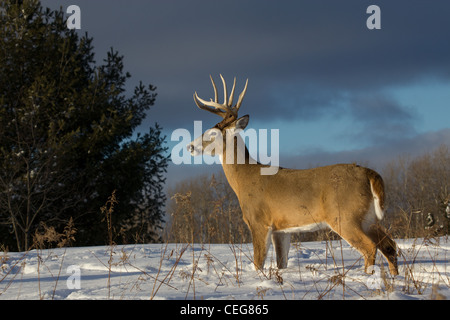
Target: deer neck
pixel 238 165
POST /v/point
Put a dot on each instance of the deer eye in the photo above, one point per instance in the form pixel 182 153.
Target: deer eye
pixel 212 133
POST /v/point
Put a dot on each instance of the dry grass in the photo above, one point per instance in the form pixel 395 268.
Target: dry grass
pixel 329 275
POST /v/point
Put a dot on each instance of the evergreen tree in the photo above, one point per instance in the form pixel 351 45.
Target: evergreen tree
pixel 67 137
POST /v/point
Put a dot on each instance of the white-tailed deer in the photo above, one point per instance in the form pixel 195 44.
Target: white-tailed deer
pixel 347 198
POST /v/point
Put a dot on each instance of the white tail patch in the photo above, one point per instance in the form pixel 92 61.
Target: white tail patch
pixel 378 211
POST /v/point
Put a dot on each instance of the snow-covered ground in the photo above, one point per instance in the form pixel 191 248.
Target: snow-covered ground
pixel 316 270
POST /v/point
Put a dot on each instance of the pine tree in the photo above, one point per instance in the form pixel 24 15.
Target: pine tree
pixel 67 134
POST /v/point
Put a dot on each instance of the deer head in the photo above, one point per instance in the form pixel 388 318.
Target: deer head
pixel 213 140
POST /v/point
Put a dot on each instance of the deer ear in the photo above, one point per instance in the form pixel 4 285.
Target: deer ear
pixel 242 123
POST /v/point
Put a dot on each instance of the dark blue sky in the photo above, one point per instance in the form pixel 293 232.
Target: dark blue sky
pixel 337 91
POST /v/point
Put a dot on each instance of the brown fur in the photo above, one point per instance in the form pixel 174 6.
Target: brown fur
pixel 339 195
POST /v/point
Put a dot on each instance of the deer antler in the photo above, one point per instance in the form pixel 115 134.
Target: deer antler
pixel 225 109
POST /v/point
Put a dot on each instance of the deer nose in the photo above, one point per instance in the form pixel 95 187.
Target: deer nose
pixel 190 148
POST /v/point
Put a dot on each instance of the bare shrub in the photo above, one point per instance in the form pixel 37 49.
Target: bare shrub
pixel 417 192
pixel 205 210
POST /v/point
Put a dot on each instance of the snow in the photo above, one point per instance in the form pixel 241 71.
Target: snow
pixel 329 270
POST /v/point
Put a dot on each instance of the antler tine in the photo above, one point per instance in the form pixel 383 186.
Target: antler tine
pixel 205 105
pixel 226 108
pixel 216 96
pixel 230 101
pixel 225 93
pixel 241 97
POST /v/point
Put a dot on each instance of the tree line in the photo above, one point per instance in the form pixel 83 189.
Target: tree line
pixel 418 194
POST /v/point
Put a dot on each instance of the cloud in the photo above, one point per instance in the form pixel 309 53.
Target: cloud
pixel 378 119
pixel 306 53
pixel 376 156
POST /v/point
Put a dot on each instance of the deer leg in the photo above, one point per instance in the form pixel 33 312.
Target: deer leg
pixel 358 239
pixel 386 245
pixel 281 242
pixel 260 236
